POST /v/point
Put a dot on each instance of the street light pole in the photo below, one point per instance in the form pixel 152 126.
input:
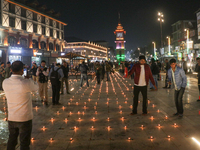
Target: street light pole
pixel 169 43
pixel 161 20
pixel 154 46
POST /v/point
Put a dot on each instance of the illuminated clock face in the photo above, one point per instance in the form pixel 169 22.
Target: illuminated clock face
pixel 119 35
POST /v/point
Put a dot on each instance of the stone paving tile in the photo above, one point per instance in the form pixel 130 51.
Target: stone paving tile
pixel 112 100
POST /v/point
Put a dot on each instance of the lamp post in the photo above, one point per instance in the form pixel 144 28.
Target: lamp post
pixel 154 47
pixel 188 32
pixel 169 43
pixel 139 50
pixel 161 20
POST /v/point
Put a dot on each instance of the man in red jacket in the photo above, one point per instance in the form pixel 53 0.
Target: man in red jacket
pixel 142 75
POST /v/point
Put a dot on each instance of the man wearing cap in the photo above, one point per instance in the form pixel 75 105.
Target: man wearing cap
pixel 142 75
pixel 56 86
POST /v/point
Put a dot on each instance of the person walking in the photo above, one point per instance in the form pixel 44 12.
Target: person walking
pixel 84 68
pixel 18 93
pixel 56 75
pixel 142 76
pixel 184 65
pixel 34 70
pixel 42 73
pixel 108 69
pixel 2 74
pixel 103 70
pixel 167 67
pixel 179 79
pixel 98 69
pixel 8 70
pixel 197 69
pixel 65 69
pixel 159 67
pixel 155 71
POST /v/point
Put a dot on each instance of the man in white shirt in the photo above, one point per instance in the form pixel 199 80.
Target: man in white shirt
pixel 18 93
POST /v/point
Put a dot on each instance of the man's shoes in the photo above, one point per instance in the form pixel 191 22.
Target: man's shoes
pixel 165 87
pixel 175 114
pixel 180 115
pixel 198 100
pixel 133 113
pixel 68 93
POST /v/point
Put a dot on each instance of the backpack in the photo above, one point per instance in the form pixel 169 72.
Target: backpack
pixel 54 77
pixel 42 77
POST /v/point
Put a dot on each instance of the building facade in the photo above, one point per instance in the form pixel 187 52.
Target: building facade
pixel 183 38
pixel 29 32
pixel 89 49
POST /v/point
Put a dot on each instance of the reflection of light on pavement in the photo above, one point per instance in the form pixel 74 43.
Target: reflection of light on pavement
pixel 72 89
pixel 196 141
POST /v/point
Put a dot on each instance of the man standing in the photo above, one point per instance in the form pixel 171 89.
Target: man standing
pixel 98 69
pixel 84 69
pixel 177 75
pixel 167 67
pixel 155 72
pixel 142 75
pixel 56 75
pixel 159 67
pixel 2 74
pixel 34 70
pixel 18 93
pixel 65 69
pixel 197 69
pixel 8 70
pixel 184 65
pixel 42 73
pixel 108 69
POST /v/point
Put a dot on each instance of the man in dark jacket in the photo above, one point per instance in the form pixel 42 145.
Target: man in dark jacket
pixel 142 75
pixel 197 69
pixel 159 66
pixel 34 70
pixel 65 69
pixel 98 70
pixel 167 68
pixel 84 69
pixel 155 72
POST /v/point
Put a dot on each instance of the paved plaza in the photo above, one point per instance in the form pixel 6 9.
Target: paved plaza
pixel 97 118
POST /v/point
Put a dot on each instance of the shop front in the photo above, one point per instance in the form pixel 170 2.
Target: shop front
pixel 53 58
pixel 36 58
pixel 14 54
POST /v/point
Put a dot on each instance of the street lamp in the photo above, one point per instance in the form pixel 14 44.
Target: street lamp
pixel 161 20
pixel 139 50
pixel 188 32
pixel 169 43
pixel 154 46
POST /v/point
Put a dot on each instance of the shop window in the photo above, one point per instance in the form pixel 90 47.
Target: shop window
pixel 34 16
pixel 11 21
pixel 23 24
pixel 43 19
pixel 12 40
pixel 23 42
pixel 35 28
pixel 35 44
pixel 51 22
pixel 57 25
pixel 23 12
pixel 57 47
pixel 43 30
pixel 51 32
pixel 58 34
pixel 12 8
pixel 50 46
pixel 43 45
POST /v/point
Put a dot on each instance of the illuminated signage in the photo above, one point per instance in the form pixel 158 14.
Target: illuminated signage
pixel 62 54
pixel 15 51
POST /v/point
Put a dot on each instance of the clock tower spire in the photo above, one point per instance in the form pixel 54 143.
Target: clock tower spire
pixel 120 42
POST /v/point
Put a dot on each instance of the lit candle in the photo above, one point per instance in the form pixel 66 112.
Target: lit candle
pixel 159 125
pixel 78 112
pixel 152 117
pixel 175 124
pixel 93 118
pixel 76 103
pixel 95 112
pixel 68 103
pixel 166 117
pixel 66 120
pixel 120 111
pixel 63 107
pixel 158 110
pixel 95 107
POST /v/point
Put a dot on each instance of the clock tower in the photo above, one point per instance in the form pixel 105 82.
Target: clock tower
pixel 120 42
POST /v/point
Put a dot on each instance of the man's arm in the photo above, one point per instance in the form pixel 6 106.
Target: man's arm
pixel 46 73
pixel 132 70
pixel 169 73
pixel 184 78
pixel 60 71
pixel 37 73
pixel 33 86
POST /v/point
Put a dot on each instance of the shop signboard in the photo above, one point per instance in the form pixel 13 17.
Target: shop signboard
pixel 15 50
pixel 47 54
pixel 198 24
pixel 54 54
pixel 37 53
pixel 196 46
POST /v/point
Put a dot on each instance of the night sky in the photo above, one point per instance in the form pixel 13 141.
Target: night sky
pixel 97 19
